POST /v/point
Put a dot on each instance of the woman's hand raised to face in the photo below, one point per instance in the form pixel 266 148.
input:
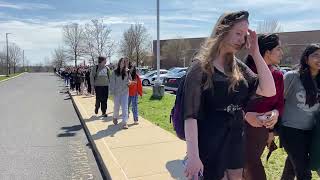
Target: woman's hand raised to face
pixel 252 43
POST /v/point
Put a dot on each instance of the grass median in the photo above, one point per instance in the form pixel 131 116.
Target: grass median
pixel 10 76
pixel 155 110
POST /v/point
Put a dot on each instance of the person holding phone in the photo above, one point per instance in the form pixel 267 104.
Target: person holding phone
pixel 263 112
pixel 217 86
pixel 135 90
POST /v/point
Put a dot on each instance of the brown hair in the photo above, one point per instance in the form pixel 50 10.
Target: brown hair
pixel 101 58
pixel 211 49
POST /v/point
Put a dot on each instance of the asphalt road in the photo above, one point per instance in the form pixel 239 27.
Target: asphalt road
pixel 41 136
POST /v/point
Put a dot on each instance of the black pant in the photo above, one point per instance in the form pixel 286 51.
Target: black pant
pixel 288 171
pixel 296 142
pixel 78 87
pixel 255 141
pixel 102 93
pixel 89 86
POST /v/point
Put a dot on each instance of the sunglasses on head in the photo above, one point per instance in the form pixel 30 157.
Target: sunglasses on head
pixel 235 17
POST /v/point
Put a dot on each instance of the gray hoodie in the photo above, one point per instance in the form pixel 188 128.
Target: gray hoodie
pixel 119 86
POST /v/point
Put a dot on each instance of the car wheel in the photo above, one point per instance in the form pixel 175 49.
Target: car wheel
pixel 145 82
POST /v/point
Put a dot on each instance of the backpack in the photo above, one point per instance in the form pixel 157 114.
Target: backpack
pixel 108 72
pixel 176 116
pixel 177 113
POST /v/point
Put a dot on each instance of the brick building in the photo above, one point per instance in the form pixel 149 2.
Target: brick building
pixel 293 45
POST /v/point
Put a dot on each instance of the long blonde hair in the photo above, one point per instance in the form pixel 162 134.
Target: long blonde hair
pixel 212 46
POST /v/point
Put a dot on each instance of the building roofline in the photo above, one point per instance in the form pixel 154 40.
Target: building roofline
pixel 287 32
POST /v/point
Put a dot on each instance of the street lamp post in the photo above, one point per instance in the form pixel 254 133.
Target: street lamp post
pixel 158 41
pixel 7 54
pixel 158 88
pixel 23 60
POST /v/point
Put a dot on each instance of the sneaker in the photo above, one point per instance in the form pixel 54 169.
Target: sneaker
pixel 96 111
pixel 136 123
pixel 125 126
pixel 115 121
pixel 105 115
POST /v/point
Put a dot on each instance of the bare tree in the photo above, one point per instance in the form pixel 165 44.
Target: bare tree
pixel 127 44
pixel 59 57
pixel 111 49
pixel 135 43
pixel 2 62
pixel 269 26
pixel 176 50
pixel 27 65
pixel 15 55
pixel 74 37
pixel 98 38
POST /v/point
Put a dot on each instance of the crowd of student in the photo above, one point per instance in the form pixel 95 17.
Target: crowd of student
pixel 232 109
pixel 122 82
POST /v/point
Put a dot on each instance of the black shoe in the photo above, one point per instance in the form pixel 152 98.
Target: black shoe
pixel 96 111
pixel 105 115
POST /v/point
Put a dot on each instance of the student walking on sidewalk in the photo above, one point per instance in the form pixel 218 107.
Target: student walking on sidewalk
pixel 100 80
pixel 259 133
pixel 216 88
pixel 135 89
pixel 302 95
pixel 119 83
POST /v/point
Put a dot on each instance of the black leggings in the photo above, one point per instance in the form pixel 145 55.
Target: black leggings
pixel 296 142
pixel 78 87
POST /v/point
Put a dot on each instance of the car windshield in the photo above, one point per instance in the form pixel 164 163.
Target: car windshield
pixel 175 70
pixel 150 73
pixel 180 74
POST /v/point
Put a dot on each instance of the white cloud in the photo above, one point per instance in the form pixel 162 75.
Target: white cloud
pixel 38 40
pixel 39 36
pixel 25 6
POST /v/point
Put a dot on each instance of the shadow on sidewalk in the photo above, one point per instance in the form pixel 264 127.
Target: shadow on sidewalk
pixel 99 118
pixel 176 169
pixel 110 131
pixel 69 131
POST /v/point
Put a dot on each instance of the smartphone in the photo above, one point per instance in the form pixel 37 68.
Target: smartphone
pixel 200 174
pixel 264 117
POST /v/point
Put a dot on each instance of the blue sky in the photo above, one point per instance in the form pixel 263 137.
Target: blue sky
pixel 36 24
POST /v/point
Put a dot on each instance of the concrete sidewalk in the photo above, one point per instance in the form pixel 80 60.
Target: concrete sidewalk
pixel 144 151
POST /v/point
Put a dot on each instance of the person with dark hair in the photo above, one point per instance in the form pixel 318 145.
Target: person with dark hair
pixel 135 89
pixel 100 80
pixel 216 88
pixel 119 83
pixel 78 81
pixel 67 77
pixel 258 132
pixel 302 102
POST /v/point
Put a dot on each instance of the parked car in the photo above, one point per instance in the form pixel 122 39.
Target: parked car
pixel 285 69
pixel 172 71
pixel 146 79
pixel 143 71
pixel 172 81
pixel 176 70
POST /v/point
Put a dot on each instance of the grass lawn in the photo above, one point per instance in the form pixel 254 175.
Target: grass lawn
pixel 10 76
pixel 158 112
